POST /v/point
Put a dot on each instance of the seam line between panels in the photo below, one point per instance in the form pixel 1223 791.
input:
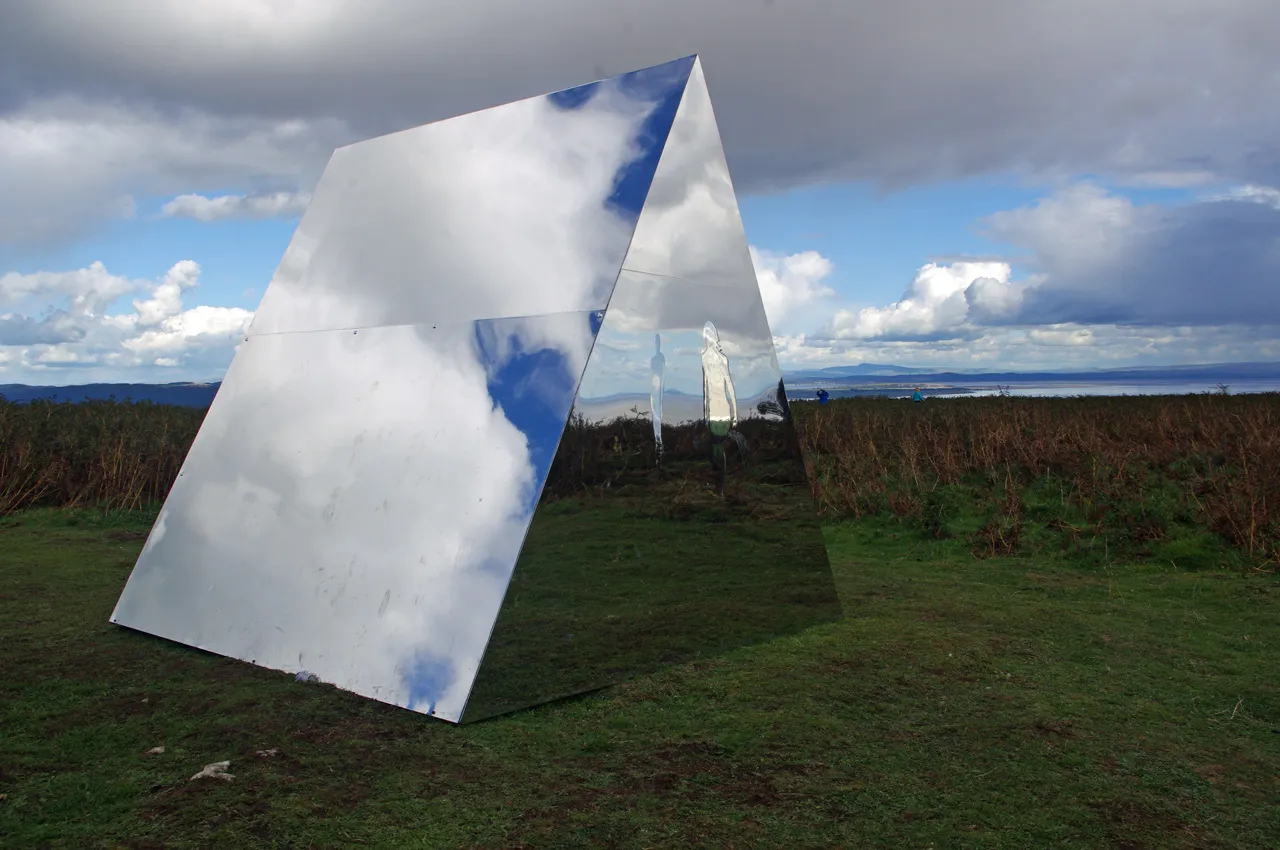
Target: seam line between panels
pixel 493 627
pixel 677 277
pixel 428 322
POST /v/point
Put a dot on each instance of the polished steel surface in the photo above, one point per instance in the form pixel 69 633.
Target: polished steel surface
pixel 464 464
pixel 643 305
pixel 517 210
pixel 677 521
pixel 691 227
pixel 355 501
pixel 643 553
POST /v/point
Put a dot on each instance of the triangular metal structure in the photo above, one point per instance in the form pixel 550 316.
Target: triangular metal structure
pixel 432 475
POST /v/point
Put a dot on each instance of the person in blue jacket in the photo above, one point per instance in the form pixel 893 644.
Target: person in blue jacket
pixel 823 395
pixel 917 396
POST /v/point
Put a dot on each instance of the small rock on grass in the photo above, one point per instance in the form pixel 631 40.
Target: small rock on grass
pixel 154 751
pixel 217 770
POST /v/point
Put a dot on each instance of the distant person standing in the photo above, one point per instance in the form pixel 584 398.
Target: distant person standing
pixel 917 396
pixel 657 386
pixel 823 396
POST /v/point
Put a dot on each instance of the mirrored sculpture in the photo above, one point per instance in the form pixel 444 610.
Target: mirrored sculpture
pixel 508 424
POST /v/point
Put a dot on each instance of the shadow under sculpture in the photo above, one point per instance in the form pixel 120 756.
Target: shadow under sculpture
pixel 508 425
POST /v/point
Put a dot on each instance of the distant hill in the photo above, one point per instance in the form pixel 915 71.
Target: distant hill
pixel 859 370
pixel 183 395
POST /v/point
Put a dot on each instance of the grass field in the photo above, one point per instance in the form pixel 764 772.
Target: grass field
pixel 1057 699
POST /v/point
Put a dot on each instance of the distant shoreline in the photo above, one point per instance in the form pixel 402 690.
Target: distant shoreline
pixel 801 387
pixel 1051 389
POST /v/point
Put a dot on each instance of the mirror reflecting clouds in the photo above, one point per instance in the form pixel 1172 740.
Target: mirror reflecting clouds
pixel 355 502
pixel 518 210
pixel 440 474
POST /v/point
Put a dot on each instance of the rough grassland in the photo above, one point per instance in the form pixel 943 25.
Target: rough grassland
pixel 1169 477
pixel 995 702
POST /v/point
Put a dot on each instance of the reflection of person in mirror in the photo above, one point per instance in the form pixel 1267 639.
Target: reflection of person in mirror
pixel 658 368
pixel 719 404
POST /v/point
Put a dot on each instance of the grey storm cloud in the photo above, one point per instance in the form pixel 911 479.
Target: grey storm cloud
pixel 1110 262
pixel 52 330
pixel 1089 257
pixel 251 95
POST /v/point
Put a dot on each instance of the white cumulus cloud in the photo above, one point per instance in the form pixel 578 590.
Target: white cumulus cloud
pixel 205 208
pixel 86 340
pixel 790 281
pixel 68 164
pixel 1101 281
pixel 937 304
pixel 166 299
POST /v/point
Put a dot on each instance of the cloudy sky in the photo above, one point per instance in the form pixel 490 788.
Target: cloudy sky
pixel 989 183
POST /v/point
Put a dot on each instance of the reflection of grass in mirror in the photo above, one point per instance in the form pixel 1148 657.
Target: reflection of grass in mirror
pixel 621 452
pixel 629 564
pixel 602 592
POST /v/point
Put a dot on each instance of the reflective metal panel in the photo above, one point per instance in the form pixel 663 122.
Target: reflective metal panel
pixel 677 311
pixel 355 501
pixel 517 210
pixel 656 546
pixel 691 227
pixel 364 484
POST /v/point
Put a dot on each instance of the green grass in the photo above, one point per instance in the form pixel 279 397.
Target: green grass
pixel 1002 702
